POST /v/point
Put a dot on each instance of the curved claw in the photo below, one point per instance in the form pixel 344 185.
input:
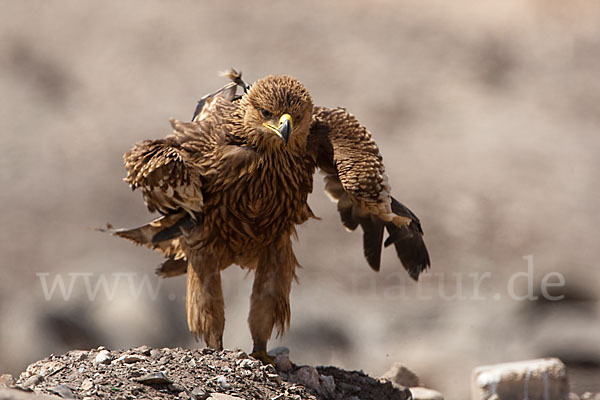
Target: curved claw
pixel 264 357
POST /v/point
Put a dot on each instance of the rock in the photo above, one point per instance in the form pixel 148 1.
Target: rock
pixel 174 387
pixel 221 380
pixel 221 396
pixel 103 357
pixel 154 378
pixel 155 354
pixel 33 381
pixel 63 391
pixel 130 358
pixel 573 396
pixel 79 355
pixel 199 394
pixel 6 380
pixel 400 375
pixel 249 363
pixel 145 350
pixel 281 355
pixel 590 396
pixel 275 378
pixel 86 385
pixel 15 394
pixel 544 378
pixel 327 385
pixel 421 393
pixel 309 377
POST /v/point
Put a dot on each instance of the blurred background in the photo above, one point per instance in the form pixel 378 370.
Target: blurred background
pixel 487 114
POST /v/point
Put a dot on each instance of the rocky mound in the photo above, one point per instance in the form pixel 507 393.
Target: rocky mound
pixel 190 374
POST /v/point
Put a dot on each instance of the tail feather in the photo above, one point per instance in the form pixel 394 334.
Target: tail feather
pixel 161 234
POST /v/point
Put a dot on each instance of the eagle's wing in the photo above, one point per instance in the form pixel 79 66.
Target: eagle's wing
pixel 355 178
pixel 170 173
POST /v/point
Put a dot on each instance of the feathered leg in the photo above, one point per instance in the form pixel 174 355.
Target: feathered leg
pixel 270 300
pixel 204 300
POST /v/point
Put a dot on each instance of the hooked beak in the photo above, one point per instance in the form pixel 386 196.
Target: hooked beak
pixel 285 128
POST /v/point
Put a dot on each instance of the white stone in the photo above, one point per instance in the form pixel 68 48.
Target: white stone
pixel 221 396
pixel 103 357
pixel 221 380
pixel 543 379
pixel 421 393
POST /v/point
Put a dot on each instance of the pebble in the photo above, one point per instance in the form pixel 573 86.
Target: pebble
pixel 79 355
pixel 103 357
pixel 131 358
pixel 176 388
pixel 281 355
pixel 421 393
pixel 248 363
pixel 33 381
pixel 244 373
pixel 155 354
pixel 275 378
pixel 268 369
pixel 308 376
pixel 145 350
pixel 154 378
pixel 399 374
pixel 199 394
pixel 221 396
pixel 63 391
pixel 86 385
pixel 221 380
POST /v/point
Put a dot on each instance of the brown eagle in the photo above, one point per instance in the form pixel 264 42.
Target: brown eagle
pixel 232 185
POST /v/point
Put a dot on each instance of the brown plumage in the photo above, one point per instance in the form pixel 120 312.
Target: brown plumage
pixel 232 184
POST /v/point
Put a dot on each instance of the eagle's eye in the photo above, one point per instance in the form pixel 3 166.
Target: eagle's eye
pixel 266 113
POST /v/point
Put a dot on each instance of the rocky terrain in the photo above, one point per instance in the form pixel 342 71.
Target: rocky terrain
pixel 178 373
pixel 206 374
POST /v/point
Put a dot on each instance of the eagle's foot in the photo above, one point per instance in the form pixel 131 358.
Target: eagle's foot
pixel 264 357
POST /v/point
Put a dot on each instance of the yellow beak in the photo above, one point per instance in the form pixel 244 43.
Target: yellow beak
pixel 285 128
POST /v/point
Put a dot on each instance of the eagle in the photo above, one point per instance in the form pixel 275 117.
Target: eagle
pixel 231 185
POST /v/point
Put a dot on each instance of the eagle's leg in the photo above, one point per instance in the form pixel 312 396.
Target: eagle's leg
pixel 270 300
pixel 204 300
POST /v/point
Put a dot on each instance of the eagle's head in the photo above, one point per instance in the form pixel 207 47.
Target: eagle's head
pixel 277 111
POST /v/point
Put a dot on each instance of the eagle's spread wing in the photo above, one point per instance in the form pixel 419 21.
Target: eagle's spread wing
pixel 355 178
pixel 162 169
pixel 170 173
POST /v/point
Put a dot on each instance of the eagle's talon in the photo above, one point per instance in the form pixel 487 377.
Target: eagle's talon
pixel 264 357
